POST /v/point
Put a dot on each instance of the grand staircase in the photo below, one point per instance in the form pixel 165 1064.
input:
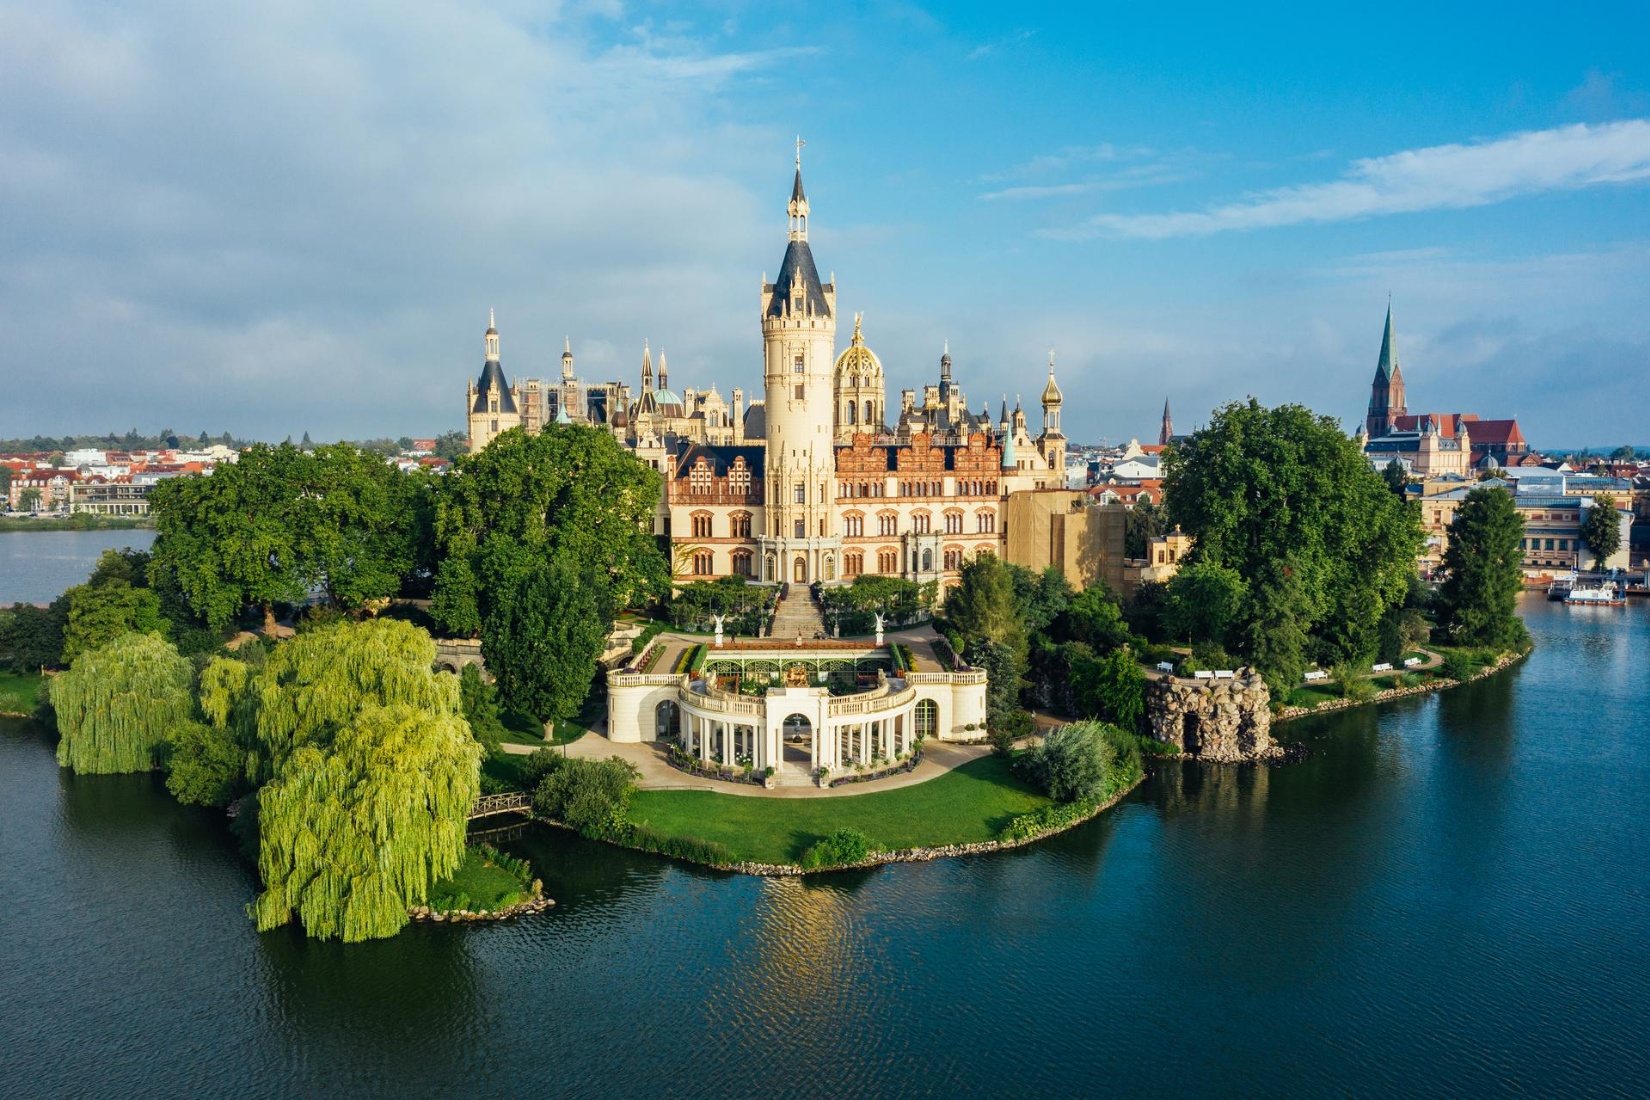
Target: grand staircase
pixel 797 613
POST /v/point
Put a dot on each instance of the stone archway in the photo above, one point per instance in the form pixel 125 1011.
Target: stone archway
pixel 796 741
pixel 667 721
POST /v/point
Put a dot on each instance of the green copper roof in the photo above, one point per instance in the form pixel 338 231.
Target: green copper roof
pixel 1388 366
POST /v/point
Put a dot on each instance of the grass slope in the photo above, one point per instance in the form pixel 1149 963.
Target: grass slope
pixel 964 806
pixel 479 883
pixel 18 691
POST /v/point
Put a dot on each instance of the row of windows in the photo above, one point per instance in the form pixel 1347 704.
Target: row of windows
pixel 739 525
pixel 700 478
pixel 1547 544
pixel 854 489
pixel 853 562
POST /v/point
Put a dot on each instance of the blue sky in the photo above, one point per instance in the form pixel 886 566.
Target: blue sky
pixel 277 218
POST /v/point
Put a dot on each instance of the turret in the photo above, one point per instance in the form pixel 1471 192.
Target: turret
pixel 567 359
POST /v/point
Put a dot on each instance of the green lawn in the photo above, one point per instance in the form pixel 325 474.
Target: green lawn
pixel 967 805
pixel 478 884
pixel 1310 697
pixel 18 691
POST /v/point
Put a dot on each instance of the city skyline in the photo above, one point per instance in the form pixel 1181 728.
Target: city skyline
pixel 290 221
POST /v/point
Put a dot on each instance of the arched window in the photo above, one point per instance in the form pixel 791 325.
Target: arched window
pixel 888 524
pixel 927 561
pixel 953 558
pixel 742 560
pixel 888 561
pixel 701 525
pixel 953 523
pixel 739 524
pixel 921 522
pixel 828 568
pixel 853 563
pixel 985 522
pixel 852 410
pixel 799 570
pixel 704 563
pixel 926 718
pixel 853 525
pixel 869 418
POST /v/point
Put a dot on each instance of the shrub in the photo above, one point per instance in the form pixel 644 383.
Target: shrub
pixel 1083 761
pixel 648 633
pixel 1206 655
pixel 841 848
pixel 205 765
pixel 1353 683
pixel 590 796
pixel 1048 819
pixel 1460 666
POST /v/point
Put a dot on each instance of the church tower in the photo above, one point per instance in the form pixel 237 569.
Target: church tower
pixel 1166 432
pixel 1053 441
pixel 1386 393
pixel 800 543
pixel 490 401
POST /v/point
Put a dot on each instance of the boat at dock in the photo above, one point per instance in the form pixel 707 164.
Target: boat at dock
pixel 1599 594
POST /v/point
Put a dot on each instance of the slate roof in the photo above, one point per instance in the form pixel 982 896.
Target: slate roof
pixel 492 377
pixel 720 459
pixel 756 422
pixel 799 261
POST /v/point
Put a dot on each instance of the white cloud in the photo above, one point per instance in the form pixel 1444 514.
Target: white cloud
pixel 1434 178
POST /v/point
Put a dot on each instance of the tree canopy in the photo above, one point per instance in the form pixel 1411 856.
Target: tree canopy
pixel 1483 572
pixel 119 703
pixel 1260 486
pixel 570 492
pixel 281 522
pixel 1601 530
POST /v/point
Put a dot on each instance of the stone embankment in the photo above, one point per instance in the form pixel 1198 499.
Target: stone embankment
pixel 1439 684
pixel 923 855
pixel 476 916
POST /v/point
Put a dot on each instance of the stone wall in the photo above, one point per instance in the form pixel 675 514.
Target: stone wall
pixel 1223 721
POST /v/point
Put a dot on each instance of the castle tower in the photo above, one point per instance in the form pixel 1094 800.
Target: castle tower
pixel 859 389
pixel 799 375
pixel 1166 432
pixel 1053 441
pixel 490 401
pixel 1386 393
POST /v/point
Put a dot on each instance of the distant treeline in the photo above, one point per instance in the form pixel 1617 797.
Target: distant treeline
pixel 448 445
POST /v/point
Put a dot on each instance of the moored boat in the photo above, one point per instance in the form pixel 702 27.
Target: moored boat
pixel 1601 594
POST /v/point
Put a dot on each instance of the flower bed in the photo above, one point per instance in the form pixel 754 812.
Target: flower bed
pixel 692 765
pixel 894 767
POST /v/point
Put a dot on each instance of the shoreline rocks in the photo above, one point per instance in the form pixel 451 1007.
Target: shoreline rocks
pixel 477 916
pixel 1223 721
pixel 1442 683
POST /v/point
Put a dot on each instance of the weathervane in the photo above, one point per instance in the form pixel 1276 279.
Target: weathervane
pixel 799 144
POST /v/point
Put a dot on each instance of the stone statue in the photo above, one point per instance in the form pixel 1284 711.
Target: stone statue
pixel 879 627
pixel 718 619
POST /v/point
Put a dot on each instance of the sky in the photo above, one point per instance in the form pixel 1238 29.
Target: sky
pixel 269 219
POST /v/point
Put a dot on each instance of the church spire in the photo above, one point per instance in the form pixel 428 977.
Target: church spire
pixel 647 368
pixel 1386 393
pixel 1166 432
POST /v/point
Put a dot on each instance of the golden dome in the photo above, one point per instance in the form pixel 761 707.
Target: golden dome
pixel 1051 392
pixel 858 363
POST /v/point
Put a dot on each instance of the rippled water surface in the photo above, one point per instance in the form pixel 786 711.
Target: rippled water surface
pixel 1451 896
pixel 36 566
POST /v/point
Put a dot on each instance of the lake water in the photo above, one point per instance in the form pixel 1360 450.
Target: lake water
pixel 1449 897
pixel 36 566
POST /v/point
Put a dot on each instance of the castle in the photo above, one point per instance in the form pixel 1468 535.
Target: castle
pixel 811 483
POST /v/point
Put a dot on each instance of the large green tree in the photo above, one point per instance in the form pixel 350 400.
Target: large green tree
pixel 280 523
pixel 1263 485
pixel 118 705
pixel 543 624
pixel 1601 530
pixel 101 612
pixel 984 605
pixel 571 493
pixel 1483 572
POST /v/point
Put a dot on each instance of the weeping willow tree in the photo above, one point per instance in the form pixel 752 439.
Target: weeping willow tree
pixel 353 834
pixel 315 684
pixel 371 774
pixel 118 703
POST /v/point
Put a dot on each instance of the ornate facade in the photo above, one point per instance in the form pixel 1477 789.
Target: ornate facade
pixel 811 482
